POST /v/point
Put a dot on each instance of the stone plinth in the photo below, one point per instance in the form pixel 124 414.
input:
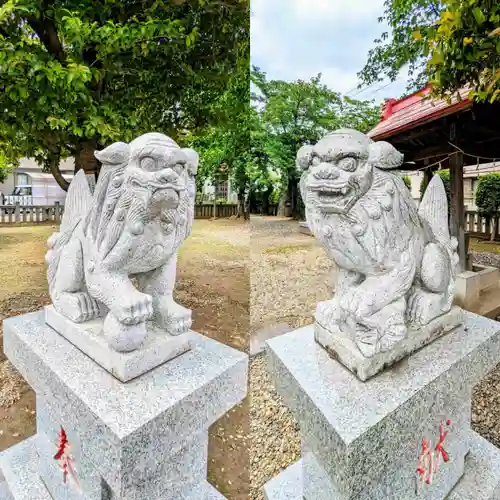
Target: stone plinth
pixel 157 348
pixel 343 349
pixel 144 439
pixel 362 440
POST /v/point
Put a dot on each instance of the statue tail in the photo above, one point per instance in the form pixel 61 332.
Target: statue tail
pixel 77 204
pixel 433 210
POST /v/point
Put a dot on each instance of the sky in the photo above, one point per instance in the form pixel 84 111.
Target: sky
pixel 297 39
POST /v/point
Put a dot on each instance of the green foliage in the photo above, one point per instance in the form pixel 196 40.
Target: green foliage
pixel 465 49
pixel 412 24
pixel 79 75
pixel 488 195
pixel 445 177
pixel 227 141
pixel 287 115
pixel 407 181
pixel 7 162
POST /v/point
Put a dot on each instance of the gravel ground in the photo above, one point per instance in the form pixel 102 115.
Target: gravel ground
pixel 485 258
pixel 274 434
pixel 289 275
pixel 486 397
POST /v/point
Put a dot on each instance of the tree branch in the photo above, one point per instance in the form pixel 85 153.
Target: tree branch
pixel 53 165
pixel 47 33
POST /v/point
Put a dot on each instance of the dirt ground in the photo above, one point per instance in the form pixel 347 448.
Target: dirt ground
pixel 213 280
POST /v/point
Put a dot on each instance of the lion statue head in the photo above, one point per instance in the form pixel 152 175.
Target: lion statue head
pixel 145 189
pixel 338 169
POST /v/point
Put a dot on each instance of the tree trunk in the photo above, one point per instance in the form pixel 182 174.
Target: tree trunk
pixel 54 170
pixel 85 159
pixel 494 228
pixel 241 202
pixel 246 206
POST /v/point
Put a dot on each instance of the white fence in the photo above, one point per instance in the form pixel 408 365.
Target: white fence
pixel 11 214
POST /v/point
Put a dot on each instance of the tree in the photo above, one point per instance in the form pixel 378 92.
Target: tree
pixel 227 142
pixel 79 75
pixel 295 113
pixel 407 181
pixel 412 24
pixel 488 199
pixel 465 49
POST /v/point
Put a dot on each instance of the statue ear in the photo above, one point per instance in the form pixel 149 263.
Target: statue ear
pixel 116 154
pixel 384 156
pixel 193 160
pixel 304 157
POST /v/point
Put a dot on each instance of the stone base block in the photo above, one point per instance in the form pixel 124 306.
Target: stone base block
pixel 364 440
pixel 22 481
pixel 480 481
pixel 144 439
pixel 158 347
pixel 345 350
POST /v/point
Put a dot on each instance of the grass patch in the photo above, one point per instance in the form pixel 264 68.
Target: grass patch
pixel 478 245
pixel 22 265
pixel 287 249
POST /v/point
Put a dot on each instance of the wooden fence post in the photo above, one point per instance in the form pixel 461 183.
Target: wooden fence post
pixel 57 212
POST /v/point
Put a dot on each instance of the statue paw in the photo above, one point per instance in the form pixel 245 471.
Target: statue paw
pixel 173 317
pixel 329 312
pixel 423 306
pixel 122 337
pixel 77 306
pixel 133 308
pixel 357 302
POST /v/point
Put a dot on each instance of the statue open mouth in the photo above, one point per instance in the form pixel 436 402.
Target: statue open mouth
pixel 331 197
pixel 155 186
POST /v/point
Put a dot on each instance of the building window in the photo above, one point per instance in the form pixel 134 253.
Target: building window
pixel 221 189
pixel 22 179
pixel 474 186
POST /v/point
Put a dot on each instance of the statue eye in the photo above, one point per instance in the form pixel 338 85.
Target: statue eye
pixel 315 161
pixel 148 163
pixel 349 164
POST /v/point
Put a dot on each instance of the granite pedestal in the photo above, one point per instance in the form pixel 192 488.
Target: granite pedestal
pixel 144 439
pixel 362 440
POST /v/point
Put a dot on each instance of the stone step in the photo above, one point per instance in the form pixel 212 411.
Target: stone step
pixel 204 491
pixel 19 473
pixel 287 485
pixel 19 467
pixel 489 302
pixel 481 480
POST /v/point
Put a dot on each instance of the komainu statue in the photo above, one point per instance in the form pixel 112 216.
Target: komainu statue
pixel 396 265
pixel 114 256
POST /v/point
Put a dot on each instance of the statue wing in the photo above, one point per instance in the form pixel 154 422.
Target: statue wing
pixel 77 203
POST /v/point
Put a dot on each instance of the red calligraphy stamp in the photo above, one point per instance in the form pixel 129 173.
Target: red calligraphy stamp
pixel 65 459
pixel 430 457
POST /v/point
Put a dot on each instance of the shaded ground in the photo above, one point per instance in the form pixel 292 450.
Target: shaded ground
pixel 212 280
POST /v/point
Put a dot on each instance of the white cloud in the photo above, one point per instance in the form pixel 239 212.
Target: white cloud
pixel 337 10
pixel 297 39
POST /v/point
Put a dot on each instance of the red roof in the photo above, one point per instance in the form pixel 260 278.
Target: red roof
pixel 416 109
